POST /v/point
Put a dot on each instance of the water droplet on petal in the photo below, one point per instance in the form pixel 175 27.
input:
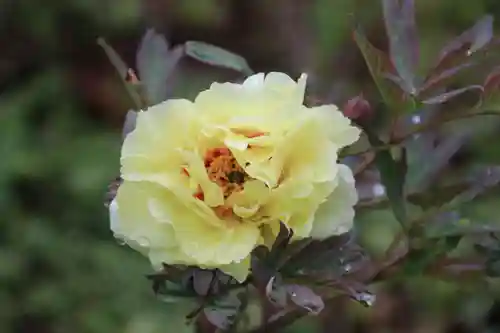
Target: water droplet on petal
pixel 143 241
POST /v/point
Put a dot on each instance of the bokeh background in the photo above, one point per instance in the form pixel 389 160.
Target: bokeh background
pixel 61 110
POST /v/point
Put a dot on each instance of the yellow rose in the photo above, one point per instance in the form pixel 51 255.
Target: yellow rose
pixel 205 182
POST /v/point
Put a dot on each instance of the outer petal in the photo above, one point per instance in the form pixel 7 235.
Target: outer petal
pixel 258 96
pixel 338 126
pixel 238 270
pixel 132 220
pixel 171 256
pixel 336 215
pixel 160 131
pixel 211 245
pixel 132 216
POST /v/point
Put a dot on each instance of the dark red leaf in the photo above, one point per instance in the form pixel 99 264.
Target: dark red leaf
pixel 276 292
pixel 202 281
pixel 462 47
pixel 305 298
pixel 491 94
pixel 451 94
pixel 492 82
pixel 478 36
pixel 400 24
pixel 456 55
pixel 225 310
pixel 442 78
pixel 380 68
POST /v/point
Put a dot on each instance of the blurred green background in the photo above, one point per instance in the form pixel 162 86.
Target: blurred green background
pixel 61 110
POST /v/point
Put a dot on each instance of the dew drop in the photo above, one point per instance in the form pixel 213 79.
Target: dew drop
pixel 416 119
pixel 366 299
pixel 143 241
pixel 378 190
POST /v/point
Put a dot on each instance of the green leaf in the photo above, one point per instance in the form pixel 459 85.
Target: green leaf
pixel 381 70
pixel 216 56
pixel 456 224
pixel 155 63
pixel 493 266
pixel 418 260
pixel 393 176
pixel 171 292
pixel 491 253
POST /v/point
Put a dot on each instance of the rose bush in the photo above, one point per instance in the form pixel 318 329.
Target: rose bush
pixel 205 182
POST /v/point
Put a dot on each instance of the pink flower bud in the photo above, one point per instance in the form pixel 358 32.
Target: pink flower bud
pixel 357 108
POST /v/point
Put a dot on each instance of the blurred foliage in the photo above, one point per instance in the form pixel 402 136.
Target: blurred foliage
pixel 61 107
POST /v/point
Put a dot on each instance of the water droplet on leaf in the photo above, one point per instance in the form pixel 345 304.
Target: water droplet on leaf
pixel 365 298
pixel 378 190
pixel 416 119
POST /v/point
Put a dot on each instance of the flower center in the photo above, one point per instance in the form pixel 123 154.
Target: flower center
pixel 223 169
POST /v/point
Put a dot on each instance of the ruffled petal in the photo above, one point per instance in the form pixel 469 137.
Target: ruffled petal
pixel 238 270
pixel 336 215
pixel 211 245
pixel 132 220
